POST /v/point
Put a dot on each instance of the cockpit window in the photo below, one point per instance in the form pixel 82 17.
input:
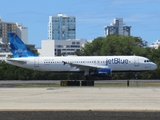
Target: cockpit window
pixel 146 60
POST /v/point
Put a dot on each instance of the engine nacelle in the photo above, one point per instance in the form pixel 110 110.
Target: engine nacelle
pixel 102 72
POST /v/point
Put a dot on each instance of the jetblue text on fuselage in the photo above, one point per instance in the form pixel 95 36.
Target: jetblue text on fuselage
pixel 117 61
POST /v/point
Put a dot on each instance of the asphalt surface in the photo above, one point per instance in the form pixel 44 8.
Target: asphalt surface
pixel 80 103
pixel 81 98
pixel 78 115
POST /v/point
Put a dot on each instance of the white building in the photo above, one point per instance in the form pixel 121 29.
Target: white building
pixel 117 27
pixel 3 56
pixel 22 32
pixel 60 47
pixel 61 27
pixel 155 44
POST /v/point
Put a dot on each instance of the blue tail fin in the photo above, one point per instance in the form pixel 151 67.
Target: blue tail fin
pixel 19 49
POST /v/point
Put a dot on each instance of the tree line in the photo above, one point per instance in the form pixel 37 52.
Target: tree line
pixel 100 46
pixel 124 45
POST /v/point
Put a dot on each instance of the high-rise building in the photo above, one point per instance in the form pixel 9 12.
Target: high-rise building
pixel 117 27
pixel 61 27
pixel 17 28
pixel 61 37
pixel 6 27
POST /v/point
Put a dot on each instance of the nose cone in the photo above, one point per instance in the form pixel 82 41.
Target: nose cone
pixel 154 66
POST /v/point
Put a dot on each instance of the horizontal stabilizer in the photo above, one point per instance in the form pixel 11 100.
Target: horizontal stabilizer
pixel 17 61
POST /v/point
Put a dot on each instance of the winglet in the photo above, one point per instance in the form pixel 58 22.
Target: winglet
pixel 18 48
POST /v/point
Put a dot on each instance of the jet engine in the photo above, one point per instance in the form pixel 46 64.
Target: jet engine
pixel 102 72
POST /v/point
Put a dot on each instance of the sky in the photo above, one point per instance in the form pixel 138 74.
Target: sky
pixel 91 16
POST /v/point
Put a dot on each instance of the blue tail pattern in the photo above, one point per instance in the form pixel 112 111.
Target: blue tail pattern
pixel 18 48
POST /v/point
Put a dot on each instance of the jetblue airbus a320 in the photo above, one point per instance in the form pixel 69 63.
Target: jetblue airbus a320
pixel 90 65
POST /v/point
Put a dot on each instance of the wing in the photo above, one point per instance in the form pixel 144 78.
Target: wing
pixel 84 66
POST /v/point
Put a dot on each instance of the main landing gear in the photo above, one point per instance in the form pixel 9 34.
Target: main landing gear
pixel 86 79
pixel 86 75
pixel 85 82
pixel 136 77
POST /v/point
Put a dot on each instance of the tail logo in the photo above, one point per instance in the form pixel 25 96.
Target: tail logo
pixel 19 49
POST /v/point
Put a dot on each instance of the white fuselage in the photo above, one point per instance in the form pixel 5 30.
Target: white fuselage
pixel 115 63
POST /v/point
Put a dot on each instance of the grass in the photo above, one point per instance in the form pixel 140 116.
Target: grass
pixel 30 85
pixel 131 84
pixel 142 84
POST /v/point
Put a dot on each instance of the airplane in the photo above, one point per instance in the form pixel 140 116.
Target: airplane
pixel 89 65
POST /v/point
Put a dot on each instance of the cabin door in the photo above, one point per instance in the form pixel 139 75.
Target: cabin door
pixel 36 62
pixel 136 61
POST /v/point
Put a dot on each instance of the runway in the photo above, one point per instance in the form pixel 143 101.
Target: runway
pixel 87 103
pixel 80 98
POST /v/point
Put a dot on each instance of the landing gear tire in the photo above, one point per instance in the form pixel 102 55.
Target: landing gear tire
pixel 85 78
